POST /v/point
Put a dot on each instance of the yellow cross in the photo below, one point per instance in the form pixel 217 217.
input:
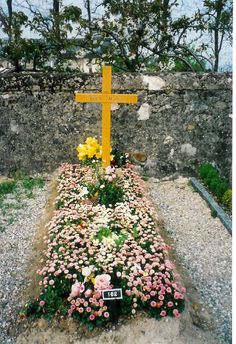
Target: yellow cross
pixel 106 98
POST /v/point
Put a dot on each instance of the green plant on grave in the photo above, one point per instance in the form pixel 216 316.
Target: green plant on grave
pixel 119 157
pixel 107 190
pixel 52 302
pixel 103 232
pixel 227 199
pixel 110 193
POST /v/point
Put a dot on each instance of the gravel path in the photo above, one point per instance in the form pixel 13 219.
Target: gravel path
pixel 19 214
pixel 203 245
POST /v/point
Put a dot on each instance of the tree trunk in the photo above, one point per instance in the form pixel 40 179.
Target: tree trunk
pixel 219 9
pixel 56 6
pixel 9 8
pixel 216 50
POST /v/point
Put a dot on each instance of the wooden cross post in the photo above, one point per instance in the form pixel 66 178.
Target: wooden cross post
pixel 106 98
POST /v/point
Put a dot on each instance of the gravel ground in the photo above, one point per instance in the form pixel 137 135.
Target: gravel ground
pixel 203 245
pixel 19 214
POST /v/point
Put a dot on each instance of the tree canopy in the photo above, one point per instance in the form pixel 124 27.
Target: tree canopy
pixel 131 35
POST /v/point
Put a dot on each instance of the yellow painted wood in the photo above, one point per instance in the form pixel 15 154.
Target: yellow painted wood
pixel 106 79
pixel 106 116
pixel 106 98
pixel 106 134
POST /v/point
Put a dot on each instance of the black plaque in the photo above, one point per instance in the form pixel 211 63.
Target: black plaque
pixel 112 294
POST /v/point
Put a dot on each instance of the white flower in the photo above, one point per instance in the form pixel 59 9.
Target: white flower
pixel 86 271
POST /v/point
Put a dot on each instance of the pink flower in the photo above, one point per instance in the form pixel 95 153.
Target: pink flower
pixel 41 303
pixel 80 309
pixel 97 295
pixel 102 282
pixel 176 313
pixel 106 315
pixel 88 309
pixel 170 304
pixel 163 313
pixel 70 311
pixel 91 317
pixel 88 292
pixel 51 282
pixel 153 303
pixel 75 289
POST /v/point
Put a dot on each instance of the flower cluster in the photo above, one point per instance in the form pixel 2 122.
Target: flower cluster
pixel 90 149
pixel 95 246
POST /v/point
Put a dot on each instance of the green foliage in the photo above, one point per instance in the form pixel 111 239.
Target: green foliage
pixel 119 157
pixel 54 29
pixel 7 187
pixel 205 169
pixel 30 183
pixel 103 232
pixel 54 299
pixel 59 204
pixel 110 194
pixel 13 50
pixel 227 199
pixel 213 213
pixel 135 232
pixel 120 241
pixel 182 66
pixel 211 178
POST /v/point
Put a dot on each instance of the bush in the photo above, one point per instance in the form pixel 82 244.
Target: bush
pixel 206 170
pixel 216 184
pixel 227 199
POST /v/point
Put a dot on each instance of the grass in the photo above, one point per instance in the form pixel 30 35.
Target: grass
pixel 31 183
pixel 20 189
pixel 7 187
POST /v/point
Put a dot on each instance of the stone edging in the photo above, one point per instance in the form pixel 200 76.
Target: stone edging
pixel 224 218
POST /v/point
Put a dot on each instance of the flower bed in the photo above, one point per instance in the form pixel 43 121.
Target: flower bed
pixel 103 236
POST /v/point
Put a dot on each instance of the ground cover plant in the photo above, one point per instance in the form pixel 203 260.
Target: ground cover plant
pixel 103 236
pixel 218 185
pixel 14 193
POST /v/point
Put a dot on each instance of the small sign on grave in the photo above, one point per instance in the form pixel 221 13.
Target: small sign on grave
pixel 112 294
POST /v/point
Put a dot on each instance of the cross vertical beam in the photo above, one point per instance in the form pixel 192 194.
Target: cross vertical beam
pixel 106 117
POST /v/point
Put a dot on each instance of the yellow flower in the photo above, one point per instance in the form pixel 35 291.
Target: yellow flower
pixel 89 149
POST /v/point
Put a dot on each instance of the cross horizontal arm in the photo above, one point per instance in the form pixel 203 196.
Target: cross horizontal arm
pixel 106 98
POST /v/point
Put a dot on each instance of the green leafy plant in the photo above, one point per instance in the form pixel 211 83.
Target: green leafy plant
pixel 216 184
pixel 103 232
pixel 30 183
pixel 119 158
pixel 7 187
pixel 227 199
pixel 110 194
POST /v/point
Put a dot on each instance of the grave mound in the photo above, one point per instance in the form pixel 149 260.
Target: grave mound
pixel 105 257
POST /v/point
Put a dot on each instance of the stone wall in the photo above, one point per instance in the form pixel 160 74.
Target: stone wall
pixel 180 121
